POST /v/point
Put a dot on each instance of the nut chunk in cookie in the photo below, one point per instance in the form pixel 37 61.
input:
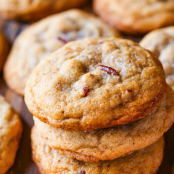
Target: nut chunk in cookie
pixel 95 83
pixel 10 134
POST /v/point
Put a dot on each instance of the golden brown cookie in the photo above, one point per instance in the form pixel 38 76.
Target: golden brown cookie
pixel 46 36
pixel 49 161
pixel 111 143
pixel 10 134
pixel 161 42
pixel 28 10
pixel 136 16
pixel 4 49
pixel 95 83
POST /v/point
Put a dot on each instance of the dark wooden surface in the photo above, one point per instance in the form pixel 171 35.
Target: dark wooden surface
pixel 23 163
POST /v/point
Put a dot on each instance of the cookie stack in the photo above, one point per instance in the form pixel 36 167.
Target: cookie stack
pixel 100 105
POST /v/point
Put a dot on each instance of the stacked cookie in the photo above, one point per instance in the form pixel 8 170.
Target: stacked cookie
pixel 100 105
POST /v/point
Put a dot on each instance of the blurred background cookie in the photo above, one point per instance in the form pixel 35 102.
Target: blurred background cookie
pixel 46 36
pixel 161 43
pixel 136 16
pixel 4 49
pixel 10 134
pixel 33 10
pixel 50 161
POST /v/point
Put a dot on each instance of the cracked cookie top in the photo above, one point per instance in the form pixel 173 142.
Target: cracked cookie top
pixel 95 83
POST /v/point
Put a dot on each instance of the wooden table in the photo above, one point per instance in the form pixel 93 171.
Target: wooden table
pixel 23 163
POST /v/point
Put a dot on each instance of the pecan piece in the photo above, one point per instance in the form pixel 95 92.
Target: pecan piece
pixel 129 90
pixel 64 40
pixel 58 84
pixel 82 172
pixel 85 90
pixel 108 69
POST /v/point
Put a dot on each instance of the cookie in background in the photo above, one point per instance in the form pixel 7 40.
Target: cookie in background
pixel 161 43
pixel 136 16
pixel 33 10
pixel 10 134
pixel 4 49
pixel 46 36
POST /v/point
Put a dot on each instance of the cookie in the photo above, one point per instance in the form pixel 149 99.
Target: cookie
pixel 161 42
pixel 136 16
pixel 34 10
pixel 111 143
pixel 95 83
pixel 4 49
pixel 50 161
pixel 46 36
pixel 10 134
